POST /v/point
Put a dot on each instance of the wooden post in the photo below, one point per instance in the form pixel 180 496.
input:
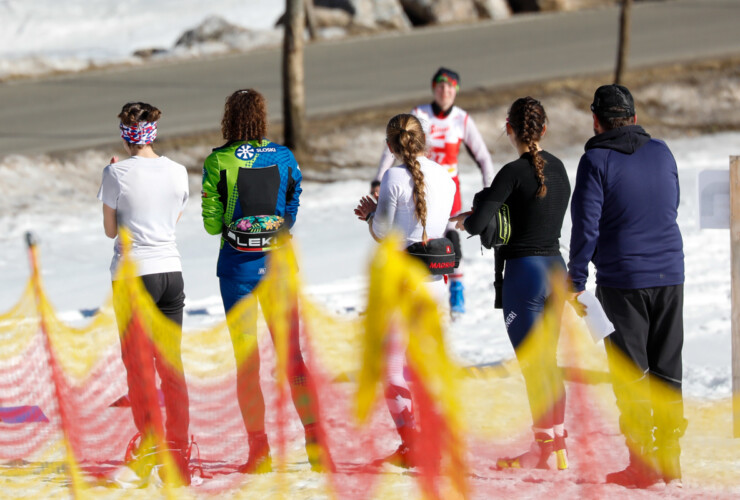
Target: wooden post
pixel 623 47
pixel 735 286
pixel 294 104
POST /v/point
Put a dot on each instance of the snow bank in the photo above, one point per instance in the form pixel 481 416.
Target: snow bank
pixel 56 199
pixel 34 41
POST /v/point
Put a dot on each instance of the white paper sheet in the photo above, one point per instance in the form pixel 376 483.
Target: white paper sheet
pixel 598 324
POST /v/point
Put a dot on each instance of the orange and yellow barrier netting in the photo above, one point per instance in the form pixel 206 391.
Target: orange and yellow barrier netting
pixel 65 424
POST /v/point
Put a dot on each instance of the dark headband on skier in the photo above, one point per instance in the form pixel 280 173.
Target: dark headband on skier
pixel 448 76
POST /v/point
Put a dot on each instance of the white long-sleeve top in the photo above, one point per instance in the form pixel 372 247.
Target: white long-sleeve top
pixel 396 202
pixel 444 137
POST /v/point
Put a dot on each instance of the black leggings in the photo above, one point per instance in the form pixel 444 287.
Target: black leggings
pixel 141 356
pixel 167 291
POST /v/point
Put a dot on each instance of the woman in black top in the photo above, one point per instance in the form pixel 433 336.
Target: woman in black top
pixel 536 190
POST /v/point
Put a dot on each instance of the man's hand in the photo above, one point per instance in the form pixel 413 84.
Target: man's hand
pixel 113 159
pixel 580 309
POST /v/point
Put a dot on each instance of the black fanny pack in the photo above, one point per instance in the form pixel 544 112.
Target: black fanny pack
pixel 256 233
pixel 498 230
pixel 437 255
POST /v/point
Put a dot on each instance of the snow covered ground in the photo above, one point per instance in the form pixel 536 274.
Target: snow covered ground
pixel 57 203
pixel 334 249
pixel 56 199
pixel 44 36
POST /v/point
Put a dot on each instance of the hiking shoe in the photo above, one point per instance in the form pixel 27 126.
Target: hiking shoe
pixel 534 458
pixel 561 451
pixel 400 458
pixel 180 476
pixel 640 473
pixel 634 476
pixel 457 297
pixel 674 483
pixel 318 455
pixel 670 467
pixel 256 465
pixel 319 458
pixel 668 455
pixel 258 460
pixel 141 457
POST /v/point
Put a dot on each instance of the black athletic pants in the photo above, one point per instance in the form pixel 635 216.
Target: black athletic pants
pixel 141 356
pixel 648 326
pixel 167 291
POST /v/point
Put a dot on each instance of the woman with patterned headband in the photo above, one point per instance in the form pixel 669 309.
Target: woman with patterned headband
pixel 146 193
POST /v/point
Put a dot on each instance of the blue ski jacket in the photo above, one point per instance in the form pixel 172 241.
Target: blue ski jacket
pixel 248 178
pixel 624 209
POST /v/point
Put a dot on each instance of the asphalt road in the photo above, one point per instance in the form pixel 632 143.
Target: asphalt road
pixel 77 111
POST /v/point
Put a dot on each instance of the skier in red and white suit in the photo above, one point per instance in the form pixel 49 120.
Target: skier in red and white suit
pixel 447 127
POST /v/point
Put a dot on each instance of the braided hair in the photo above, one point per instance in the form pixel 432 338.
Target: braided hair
pixel 406 139
pixel 527 119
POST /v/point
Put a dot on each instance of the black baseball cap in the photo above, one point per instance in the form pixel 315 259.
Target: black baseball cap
pixel 613 101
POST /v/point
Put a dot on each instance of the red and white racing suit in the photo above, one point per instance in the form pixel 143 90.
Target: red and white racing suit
pixel 444 134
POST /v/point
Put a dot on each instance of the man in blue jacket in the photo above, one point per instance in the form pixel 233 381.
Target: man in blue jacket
pixel 624 211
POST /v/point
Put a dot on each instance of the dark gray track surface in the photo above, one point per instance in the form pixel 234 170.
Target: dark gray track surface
pixel 76 111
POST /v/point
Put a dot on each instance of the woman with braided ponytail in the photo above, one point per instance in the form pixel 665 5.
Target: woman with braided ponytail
pixel 415 198
pixel 535 188
pixel 448 128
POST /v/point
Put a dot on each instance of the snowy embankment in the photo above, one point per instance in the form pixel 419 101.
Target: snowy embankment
pixel 56 199
pixel 38 40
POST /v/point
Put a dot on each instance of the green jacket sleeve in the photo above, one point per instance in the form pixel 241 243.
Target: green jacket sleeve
pixel 212 206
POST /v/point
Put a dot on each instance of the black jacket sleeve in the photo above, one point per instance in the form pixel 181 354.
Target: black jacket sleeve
pixel 484 209
pixel 487 201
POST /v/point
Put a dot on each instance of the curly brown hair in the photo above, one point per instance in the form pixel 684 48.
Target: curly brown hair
pixel 527 118
pixel 245 116
pixel 406 139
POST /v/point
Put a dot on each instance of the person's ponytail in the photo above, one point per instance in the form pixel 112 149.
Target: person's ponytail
pixel 527 119
pixel 406 138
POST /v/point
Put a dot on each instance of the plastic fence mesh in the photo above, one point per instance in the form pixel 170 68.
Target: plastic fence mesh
pixel 66 417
